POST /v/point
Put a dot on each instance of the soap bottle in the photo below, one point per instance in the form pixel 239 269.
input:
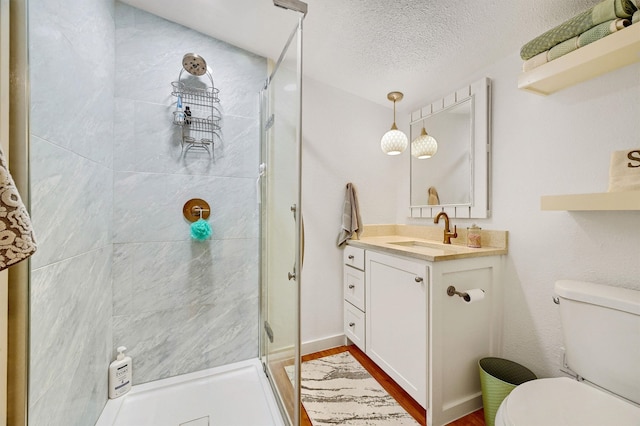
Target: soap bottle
pixel 179 114
pixel 120 375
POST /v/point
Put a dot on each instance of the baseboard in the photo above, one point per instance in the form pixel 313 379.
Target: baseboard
pixel 325 343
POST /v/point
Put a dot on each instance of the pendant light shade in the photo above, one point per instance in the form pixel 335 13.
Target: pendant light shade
pixel 424 146
pixel 394 142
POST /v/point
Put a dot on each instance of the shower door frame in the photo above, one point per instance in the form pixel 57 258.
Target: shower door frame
pixel 17 295
pixel 295 276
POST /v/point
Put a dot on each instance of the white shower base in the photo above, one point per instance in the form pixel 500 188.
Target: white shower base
pixel 232 395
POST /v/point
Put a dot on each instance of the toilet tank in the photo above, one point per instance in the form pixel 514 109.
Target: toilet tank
pixel 601 330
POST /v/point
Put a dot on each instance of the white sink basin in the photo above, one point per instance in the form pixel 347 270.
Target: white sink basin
pixel 421 244
pixel 429 246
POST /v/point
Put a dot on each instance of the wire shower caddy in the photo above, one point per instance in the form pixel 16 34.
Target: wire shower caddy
pixel 199 118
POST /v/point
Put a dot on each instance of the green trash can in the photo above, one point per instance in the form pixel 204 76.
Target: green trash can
pixel 498 377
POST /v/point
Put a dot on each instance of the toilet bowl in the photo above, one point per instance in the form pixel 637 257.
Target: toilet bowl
pixel 601 333
pixel 564 402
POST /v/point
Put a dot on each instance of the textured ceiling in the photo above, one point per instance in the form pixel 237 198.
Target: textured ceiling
pixel 372 47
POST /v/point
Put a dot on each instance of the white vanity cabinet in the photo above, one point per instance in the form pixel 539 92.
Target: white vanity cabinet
pixel 396 320
pixel 427 341
pixel 354 293
pixel 460 334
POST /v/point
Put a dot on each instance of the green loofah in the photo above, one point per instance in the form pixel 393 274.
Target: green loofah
pixel 200 230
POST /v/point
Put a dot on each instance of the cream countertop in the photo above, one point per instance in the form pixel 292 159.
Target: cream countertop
pixel 425 242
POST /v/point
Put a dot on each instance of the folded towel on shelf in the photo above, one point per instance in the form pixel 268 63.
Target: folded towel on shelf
pixel 624 170
pixel 587 37
pixel 536 61
pixel 16 234
pixel 592 34
pixel 606 10
pixel 351 221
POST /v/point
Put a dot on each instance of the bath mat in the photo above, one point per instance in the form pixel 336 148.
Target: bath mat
pixel 337 390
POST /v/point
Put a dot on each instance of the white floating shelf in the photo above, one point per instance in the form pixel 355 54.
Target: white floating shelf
pixel 629 200
pixel 614 51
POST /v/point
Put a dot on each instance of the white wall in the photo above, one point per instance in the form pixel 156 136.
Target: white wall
pixel 541 145
pixel 341 144
pixel 555 145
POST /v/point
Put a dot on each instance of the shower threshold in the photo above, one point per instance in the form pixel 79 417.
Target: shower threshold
pixel 232 395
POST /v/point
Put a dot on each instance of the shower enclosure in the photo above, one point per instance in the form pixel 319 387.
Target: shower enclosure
pixel 282 230
pixel 108 181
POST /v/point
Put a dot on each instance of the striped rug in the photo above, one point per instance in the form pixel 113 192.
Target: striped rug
pixel 337 390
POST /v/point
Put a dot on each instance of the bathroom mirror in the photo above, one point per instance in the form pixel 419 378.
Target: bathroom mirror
pixel 459 172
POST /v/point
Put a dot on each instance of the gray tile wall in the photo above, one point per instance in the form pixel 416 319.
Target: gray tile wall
pixel 72 115
pixel 181 305
pixel 116 265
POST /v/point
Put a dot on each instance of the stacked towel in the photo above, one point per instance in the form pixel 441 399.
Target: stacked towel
pixel 351 221
pixel 16 234
pixel 592 34
pixel 601 20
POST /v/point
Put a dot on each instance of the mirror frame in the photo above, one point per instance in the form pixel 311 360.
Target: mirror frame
pixel 479 206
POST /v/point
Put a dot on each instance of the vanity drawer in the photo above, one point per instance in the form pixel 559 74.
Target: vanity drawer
pixel 354 256
pixel 353 282
pixel 354 325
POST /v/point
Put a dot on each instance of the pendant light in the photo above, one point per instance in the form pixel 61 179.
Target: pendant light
pixel 424 146
pixel 394 142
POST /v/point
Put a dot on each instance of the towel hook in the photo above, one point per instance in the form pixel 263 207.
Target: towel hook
pixel 195 209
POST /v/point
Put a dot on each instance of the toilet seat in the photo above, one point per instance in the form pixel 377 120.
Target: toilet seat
pixel 563 402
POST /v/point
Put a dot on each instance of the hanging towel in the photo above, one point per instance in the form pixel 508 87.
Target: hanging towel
pixel 351 221
pixel 16 234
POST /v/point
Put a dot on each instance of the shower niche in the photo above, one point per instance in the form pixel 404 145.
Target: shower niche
pixel 197 103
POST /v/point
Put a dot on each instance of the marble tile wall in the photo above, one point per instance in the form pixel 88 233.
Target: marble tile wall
pixel 181 305
pixel 72 115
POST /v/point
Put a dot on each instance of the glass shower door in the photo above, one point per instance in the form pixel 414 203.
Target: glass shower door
pixel 281 227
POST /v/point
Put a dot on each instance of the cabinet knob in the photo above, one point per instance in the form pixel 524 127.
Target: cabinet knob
pixel 350 256
pixel 351 324
pixel 352 286
pixel 419 279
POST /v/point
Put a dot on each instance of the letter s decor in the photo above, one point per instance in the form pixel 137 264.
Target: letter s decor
pixel 633 157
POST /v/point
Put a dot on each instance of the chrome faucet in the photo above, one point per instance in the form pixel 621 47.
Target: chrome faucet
pixel 447 230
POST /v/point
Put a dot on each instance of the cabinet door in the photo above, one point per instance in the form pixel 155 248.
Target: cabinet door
pixel 396 320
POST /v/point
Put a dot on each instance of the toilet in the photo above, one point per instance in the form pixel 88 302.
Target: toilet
pixel 601 332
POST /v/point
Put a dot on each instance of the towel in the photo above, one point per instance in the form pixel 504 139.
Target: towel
pixel 587 37
pixel 635 18
pixel 624 171
pixel 536 61
pixel 433 199
pixel 351 221
pixel 567 46
pixel 603 11
pixel 16 234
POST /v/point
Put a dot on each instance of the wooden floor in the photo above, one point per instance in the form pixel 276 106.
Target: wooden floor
pixel 403 398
